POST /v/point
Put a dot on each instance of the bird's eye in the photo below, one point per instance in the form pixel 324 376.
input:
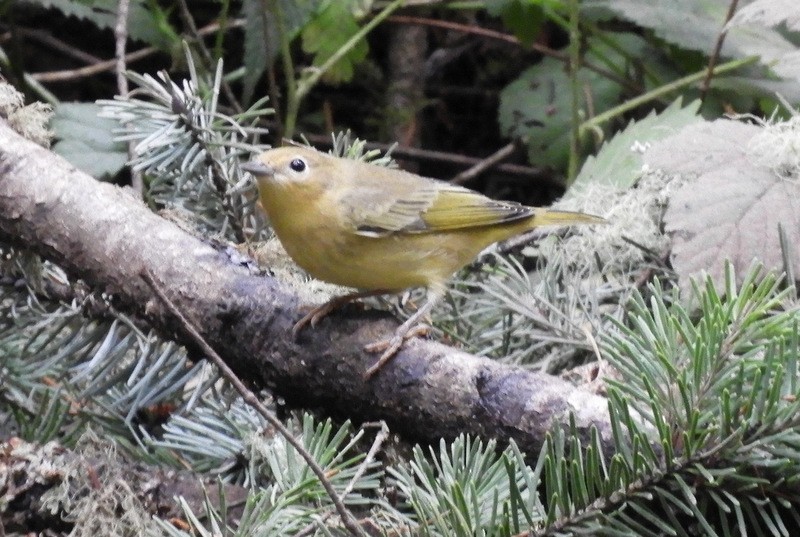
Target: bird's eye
pixel 298 165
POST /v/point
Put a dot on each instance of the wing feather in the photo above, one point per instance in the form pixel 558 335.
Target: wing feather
pixel 421 205
pixel 460 208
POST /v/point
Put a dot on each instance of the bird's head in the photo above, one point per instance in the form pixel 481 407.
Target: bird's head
pixel 289 166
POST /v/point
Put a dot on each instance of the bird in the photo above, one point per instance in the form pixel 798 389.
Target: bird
pixel 382 230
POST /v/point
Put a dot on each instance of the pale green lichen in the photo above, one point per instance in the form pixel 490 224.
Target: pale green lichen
pixel 30 121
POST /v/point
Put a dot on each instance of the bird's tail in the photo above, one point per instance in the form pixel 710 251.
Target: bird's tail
pixel 548 217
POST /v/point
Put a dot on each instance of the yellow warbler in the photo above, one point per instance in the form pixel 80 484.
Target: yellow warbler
pixel 382 230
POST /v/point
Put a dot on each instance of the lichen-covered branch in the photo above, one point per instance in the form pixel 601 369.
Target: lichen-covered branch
pixel 107 237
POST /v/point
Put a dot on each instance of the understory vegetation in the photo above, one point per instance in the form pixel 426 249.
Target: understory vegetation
pixel 674 121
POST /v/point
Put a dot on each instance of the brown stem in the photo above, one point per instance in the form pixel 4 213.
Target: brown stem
pixel 712 60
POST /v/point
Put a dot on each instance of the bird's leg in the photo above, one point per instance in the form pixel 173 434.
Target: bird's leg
pixel 411 328
pixel 317 313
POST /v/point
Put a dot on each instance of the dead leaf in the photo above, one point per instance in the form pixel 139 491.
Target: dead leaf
pixel 734 206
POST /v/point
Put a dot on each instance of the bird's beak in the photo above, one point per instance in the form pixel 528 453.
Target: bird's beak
pixel 258 168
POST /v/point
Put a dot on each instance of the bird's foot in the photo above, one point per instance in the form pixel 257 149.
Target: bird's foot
pixel 314 316
pixel 317 313
pixel 390 346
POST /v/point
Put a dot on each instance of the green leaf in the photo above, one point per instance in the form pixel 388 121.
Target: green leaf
pixel 619 162
pixel 262 39
pixel 523 17
pixel 261 44
pixel 537 106
pixel 695 25
pixel 86 140
pixel 327 32
pixel 143 24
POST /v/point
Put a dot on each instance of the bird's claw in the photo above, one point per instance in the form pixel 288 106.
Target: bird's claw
pixel 317 313
pixel 390 346
pixel 313 317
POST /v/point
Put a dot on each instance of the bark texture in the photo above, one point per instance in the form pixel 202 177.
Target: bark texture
pixel 106 236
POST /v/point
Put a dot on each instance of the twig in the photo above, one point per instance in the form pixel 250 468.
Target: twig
pixel 524 239
pixel 414 153
pixel 575 90
pixel 274 96
pixel 712 60
pixel 109 65
pixel 250 398
pixel 657 93
pixel 120 40
pixel 272 10
pixel 59 45
pixel 90 70
pixel 188 20
pixel 649 251
pixel 218 175
pixel 787 255
pixel 380 438
pixel 493 34
pixel 484 164
pixel 307 82
pixel 287 63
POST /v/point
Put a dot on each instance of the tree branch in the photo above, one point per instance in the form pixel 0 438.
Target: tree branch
pixel 104 235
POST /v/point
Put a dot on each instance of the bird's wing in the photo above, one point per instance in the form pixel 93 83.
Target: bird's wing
pixel 421 205
pixel 459 208
pixel 383 211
